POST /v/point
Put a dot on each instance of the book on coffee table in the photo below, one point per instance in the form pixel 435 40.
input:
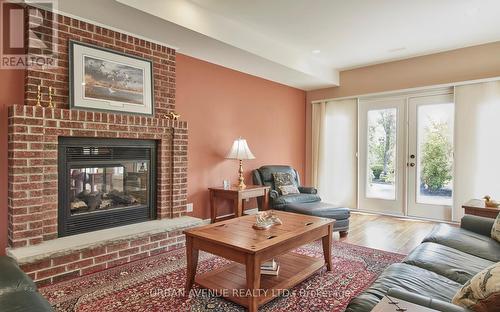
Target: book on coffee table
pixel 269 265
pixel 270 271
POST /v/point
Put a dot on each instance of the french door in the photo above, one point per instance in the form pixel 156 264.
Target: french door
pixel 381 155
pixel 405 162
pixel 430 161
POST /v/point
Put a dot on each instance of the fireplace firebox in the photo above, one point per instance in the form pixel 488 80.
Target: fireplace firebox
pixel 105 183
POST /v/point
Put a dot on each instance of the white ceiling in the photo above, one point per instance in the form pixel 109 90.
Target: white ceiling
pixel 357 33
pixel 275 39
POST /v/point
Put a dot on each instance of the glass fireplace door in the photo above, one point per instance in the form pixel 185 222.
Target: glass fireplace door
pixel 105 183
pixel 108 186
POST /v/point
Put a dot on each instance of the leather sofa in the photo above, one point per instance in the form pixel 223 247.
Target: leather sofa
pixel 435 270
pixel 18 293
pixel 307 202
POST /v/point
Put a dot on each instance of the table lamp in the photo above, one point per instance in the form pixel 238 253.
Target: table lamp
pixel 240 151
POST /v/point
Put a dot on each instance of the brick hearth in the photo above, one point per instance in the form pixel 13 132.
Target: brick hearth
pixel 72 256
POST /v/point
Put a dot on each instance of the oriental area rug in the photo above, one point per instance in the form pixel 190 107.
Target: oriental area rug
pixel 157 284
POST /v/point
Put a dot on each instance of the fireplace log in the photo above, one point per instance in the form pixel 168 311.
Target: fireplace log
pixel 77 205
pixel 106 203
pixel 92 199
pixel 121 199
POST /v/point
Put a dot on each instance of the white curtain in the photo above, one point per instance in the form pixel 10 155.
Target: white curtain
pixel 477 143
pixel 318 129
pixel 334 151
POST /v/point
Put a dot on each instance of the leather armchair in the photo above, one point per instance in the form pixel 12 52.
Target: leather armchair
pixel 264 176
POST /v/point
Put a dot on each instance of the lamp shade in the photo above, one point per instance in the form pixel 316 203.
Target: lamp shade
pixel 240 150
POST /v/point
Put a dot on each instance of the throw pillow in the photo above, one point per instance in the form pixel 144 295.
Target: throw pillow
pixel 289 189
pixel 282 179
pixel 495 230
pixel 482 291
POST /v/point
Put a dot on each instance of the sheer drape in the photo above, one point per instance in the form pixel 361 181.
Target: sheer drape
pixel 477 143
pixel 334 151
pixel 318 129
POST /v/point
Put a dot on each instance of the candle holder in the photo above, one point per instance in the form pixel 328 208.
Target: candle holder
pixel 51 104
pixel 39 96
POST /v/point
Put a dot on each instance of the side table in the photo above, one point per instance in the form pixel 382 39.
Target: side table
pixel 477 207
pixel 237 195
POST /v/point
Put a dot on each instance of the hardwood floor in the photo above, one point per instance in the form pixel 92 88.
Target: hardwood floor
pixel 386 233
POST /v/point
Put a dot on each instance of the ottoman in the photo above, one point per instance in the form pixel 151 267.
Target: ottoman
pixel 325 210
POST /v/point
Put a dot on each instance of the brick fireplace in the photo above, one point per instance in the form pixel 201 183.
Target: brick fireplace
pixel 33 168
pixel 105 183
pixel 34 134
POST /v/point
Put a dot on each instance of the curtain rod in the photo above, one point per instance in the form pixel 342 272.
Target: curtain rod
pixel 410 90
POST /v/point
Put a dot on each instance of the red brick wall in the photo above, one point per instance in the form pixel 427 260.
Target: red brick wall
pixel 93 259
pixel 67 28
pixel 11 91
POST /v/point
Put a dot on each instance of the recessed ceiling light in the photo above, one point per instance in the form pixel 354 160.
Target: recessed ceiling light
pixel 316 51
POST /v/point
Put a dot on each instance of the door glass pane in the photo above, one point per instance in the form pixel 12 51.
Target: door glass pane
pixel 435 154
pixel 381 170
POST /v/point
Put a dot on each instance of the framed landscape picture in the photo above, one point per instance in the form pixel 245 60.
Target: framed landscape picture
pixel 102 79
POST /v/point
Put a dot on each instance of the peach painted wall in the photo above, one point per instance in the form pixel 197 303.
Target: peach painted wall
pixel 477 62
pixel 220 105
pixel 11 92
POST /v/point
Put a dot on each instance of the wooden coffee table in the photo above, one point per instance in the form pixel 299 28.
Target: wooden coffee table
pixel 236 240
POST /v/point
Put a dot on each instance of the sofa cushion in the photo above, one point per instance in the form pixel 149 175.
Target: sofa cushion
pixel 24 301
pixel 482 292
pixel 12 278
pixel 289 189
pixel 469 242
pixel 406 277
pixel 446 261
pixel 283 179
pixel 295 198
pixel 477 224
pixel 320 209
pixel 266 174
